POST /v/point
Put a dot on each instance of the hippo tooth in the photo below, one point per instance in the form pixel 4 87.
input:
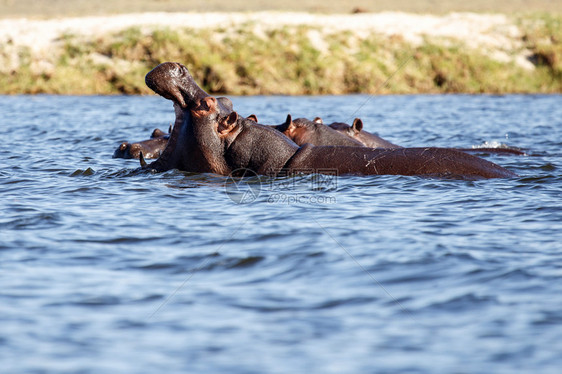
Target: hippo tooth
pixel 141 159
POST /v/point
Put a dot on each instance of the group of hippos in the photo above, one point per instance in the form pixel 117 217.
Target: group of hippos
pixel 208 136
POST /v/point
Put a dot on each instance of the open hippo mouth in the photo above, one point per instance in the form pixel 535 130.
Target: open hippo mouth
pixel 166 80
pixel 174 82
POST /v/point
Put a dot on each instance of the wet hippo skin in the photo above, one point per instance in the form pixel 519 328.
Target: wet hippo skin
pixel 209 137
pixel 303 131
pixel 186 150
pixel 256 147
pixel 355 131
pixel 150 148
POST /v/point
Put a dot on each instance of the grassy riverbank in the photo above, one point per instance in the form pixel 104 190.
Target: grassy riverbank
pixel 292 59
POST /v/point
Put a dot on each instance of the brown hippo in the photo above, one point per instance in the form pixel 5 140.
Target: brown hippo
pixel 355 131
pixel 245 145
pixel 153 147
pixel 303 131
pixel 150 148
pixel 208 137
pixel 186 149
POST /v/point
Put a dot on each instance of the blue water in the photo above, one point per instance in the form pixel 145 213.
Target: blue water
pixel 108 270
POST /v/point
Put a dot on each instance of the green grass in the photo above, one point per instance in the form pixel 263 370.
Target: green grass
pixel 543 36
pixel 286 62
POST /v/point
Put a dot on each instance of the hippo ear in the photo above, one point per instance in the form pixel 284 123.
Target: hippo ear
pixel 253 117
pixel 141 159
pixel 285 126
pixel 170 129
pixel 318 120
pixel 157 133
pixel 357 125
pixel 228 124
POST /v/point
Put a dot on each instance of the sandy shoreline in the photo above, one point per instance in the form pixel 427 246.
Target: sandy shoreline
pixel 493 32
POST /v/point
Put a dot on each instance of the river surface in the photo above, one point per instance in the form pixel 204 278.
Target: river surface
pixel 108 270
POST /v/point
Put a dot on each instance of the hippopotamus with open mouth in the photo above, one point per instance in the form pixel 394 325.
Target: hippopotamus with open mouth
pixel 209 137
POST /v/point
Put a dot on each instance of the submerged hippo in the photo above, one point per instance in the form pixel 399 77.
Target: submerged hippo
pixel 208 137
pixel 153 147
pixel 150 148
pixel 246 145
pixel 303 131
pixel 356 132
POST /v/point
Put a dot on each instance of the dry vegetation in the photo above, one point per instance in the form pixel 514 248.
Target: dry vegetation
pixel 55 8
pixel 286 60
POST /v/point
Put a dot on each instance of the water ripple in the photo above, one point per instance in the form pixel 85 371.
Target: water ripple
pixel 391 274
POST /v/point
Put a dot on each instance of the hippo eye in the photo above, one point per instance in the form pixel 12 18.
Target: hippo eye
pixel 123 146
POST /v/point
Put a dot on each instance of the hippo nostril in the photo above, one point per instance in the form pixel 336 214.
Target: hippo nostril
pixel 210 101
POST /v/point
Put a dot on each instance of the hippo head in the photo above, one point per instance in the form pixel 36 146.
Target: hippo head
pixel 150 148
pixel 213 127
pixel 356 132
pixel 123 151
pixel 303 131
pixel 350 131
pixel 133 150
pixel 185 150
pixel 232 142
pixel 213 132
pixel 173 81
